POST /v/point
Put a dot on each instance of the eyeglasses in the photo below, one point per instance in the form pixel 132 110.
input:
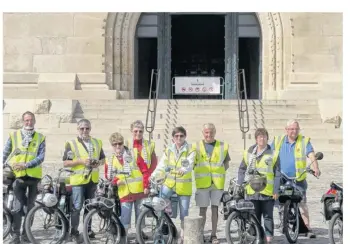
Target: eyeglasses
pixel 180 136
pixel 137 131
pixel 117 144
pixel 82 129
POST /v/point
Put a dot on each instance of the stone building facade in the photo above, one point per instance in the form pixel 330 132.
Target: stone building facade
pixel 91 55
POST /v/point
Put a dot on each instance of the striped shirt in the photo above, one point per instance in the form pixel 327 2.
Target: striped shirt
pixel 35 162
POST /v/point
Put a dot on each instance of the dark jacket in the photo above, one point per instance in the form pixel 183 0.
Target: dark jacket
pixel 276 169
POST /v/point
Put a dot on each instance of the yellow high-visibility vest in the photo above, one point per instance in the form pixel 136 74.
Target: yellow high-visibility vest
pixel 133 183
pixel 149 146
pixel 26 154
pixel 210 170
pixel 183 184
pixel 81 174
pixel 299 154
pixel 265 169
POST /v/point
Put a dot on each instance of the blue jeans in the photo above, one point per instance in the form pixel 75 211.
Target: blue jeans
pixel 184 201
pixel 79 195
pixel 126 207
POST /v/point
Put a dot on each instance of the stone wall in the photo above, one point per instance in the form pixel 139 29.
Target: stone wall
pixel 73 55
pixel 316 56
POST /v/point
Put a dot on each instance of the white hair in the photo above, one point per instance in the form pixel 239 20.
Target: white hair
pixel 137 124
pixel 84 121
pixel 209 126
pixel 292 121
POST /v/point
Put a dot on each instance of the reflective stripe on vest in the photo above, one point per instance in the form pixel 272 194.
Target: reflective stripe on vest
pixel 26 154
pixel 83 175
pixel 183 184
pixel 299 154
pixel 149 147
pixel 211 170
pixel 133 183
pixel 265 169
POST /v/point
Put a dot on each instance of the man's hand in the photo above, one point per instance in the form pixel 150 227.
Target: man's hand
pixel 86 162
pixel 317 171
pixel 120 182
pixel 275 196
pixel 19 166
pixel 146 191
pixel 180 172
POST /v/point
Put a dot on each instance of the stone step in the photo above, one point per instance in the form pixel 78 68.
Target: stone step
pixel 199 102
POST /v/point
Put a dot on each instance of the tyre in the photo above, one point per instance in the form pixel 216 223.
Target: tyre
pixel 249 235
pixel 336 217
pixel 165 229
pixel 7 223
pixel 112 229
pixel 56 220
pixel 291 217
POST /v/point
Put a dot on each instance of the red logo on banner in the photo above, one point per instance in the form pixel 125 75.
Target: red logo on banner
pixel 197 89
pixel 211 89
pixel 183 89
pixel 204 89
pixel 190 89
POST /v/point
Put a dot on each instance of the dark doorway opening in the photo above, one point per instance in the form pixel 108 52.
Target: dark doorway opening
pixel 249 61
pixel 197 48
pixel 147 60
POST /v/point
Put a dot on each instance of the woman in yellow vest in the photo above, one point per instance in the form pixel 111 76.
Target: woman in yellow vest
pixel 260 157
pixel 132 188
pixel 180 180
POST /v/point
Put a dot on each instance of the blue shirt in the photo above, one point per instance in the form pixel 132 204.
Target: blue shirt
pixel 286 155
pixel 35 162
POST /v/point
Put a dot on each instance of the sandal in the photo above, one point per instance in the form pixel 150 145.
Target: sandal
pixel 214 240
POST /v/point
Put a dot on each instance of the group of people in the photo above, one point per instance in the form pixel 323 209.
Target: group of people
pixel 207 164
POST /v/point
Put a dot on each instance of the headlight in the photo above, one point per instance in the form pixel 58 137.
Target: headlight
pixel 50 200
pixel 159 204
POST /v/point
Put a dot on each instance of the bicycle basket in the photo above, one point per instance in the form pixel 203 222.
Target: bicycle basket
pixel 242 205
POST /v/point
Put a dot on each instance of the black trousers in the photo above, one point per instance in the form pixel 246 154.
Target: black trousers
pixel 264 208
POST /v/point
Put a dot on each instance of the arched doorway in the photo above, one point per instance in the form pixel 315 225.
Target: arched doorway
pixel 198 44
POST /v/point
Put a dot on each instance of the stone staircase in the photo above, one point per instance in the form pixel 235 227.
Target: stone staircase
pixel 108 116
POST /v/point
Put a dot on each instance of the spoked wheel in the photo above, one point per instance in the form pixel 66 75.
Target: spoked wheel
pixel 336 229
pixel 104 229
pixel 239 230
pixel 152 229
pixel 46 225
pixel 291 221
pixel 7 223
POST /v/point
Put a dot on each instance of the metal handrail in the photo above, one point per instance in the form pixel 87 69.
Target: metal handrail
pixel 242 107
pixel 151 112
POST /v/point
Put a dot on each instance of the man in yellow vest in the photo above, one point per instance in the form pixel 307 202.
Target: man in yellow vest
pixel 26 164
pixel 212 161
pixel 293 149
pixel 179 181
pixel 84 155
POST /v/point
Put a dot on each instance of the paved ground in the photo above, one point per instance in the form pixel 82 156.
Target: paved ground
pixel 330 172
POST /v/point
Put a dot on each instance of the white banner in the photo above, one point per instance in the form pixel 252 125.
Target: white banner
pixel 197 85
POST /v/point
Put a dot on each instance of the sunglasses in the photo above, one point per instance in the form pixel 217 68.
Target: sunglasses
pixel 180 136
pixel 117 144
pixel 82 129
pixel 138 131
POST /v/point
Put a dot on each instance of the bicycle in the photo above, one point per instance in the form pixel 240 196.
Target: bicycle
pixel 8 194
pixel 290 196
pixel 106 205
pixel 236 208
pixel 54 200
pixel 160 209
